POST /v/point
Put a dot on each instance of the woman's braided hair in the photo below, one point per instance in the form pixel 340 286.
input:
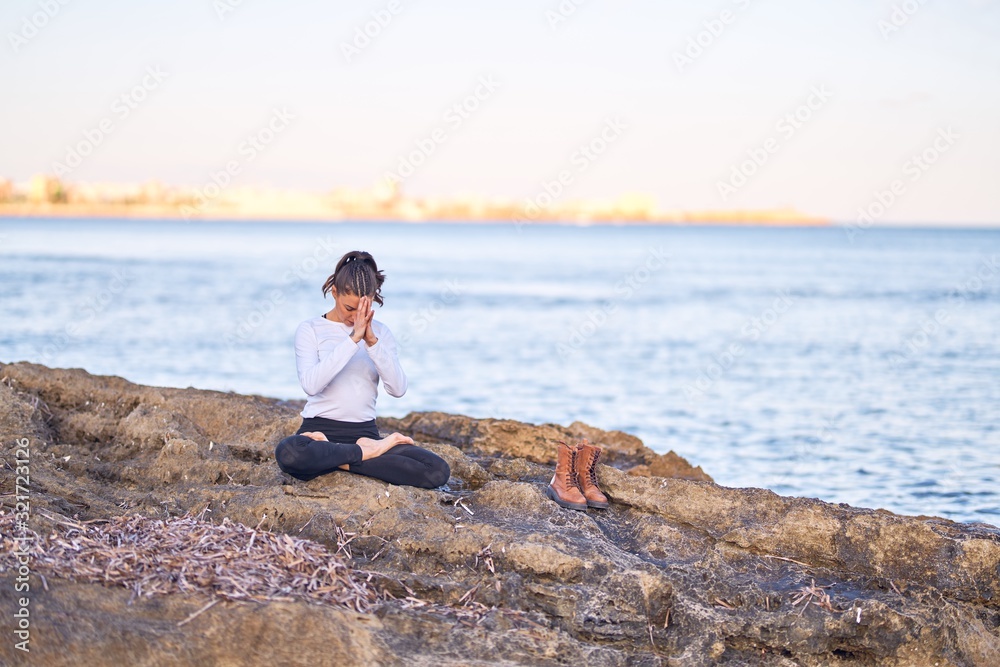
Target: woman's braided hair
pixel 358 275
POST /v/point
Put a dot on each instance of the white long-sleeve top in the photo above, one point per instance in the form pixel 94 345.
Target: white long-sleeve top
pixel 340 377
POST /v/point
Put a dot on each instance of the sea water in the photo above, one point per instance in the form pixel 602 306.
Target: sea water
pixel 857 366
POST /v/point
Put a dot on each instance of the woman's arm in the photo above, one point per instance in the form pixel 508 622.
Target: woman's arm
pixel 316 373
pixel 386 359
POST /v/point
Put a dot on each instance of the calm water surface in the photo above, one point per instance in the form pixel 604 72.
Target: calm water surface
pixel 864 371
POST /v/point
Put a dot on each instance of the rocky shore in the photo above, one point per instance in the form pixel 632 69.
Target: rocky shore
pixel 486 571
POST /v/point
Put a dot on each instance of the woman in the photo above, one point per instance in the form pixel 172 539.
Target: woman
pixel 340 357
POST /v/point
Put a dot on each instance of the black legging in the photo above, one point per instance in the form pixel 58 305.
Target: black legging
pixel 304 458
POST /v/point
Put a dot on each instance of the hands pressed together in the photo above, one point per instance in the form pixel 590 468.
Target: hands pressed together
pixel 363 322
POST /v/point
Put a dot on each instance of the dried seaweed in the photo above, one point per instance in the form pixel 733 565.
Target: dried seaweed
pixel 186 554
pixel 814 594
pixel 228 560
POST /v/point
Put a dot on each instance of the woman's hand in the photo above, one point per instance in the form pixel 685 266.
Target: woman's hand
pixel 315 435
pixel 363 321
pixel 370 338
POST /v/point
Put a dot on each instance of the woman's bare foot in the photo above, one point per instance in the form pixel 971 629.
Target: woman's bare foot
pixel 371 448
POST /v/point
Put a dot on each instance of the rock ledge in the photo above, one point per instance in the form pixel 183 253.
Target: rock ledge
pixel 679 571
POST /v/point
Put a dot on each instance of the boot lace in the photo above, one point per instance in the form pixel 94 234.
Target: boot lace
pixel 571 477
pixel 592 468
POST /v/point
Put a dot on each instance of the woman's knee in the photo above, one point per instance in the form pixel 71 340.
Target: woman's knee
pixel 283 451
pixel 438 473
pixel 288 453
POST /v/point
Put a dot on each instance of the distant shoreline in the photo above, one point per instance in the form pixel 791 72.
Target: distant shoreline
pixel 932 225
pixel 165 212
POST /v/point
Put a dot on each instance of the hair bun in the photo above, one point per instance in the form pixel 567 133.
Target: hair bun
pixel 356 273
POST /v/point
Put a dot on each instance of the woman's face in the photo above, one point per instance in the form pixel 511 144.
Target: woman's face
pixel 345 306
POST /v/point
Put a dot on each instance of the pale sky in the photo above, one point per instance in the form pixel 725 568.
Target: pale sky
pixel 929 87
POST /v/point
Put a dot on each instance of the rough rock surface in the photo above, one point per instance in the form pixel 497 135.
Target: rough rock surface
pixel 679 570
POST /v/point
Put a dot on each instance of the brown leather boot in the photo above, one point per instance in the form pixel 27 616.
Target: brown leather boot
pixel 564 488
pixel 587 456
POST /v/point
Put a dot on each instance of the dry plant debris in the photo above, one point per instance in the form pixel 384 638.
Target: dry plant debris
pixel 228 560
pixel 815 594
pixel 187 554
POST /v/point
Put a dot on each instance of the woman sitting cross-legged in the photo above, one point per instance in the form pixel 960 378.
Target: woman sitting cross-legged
pixel 340 357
